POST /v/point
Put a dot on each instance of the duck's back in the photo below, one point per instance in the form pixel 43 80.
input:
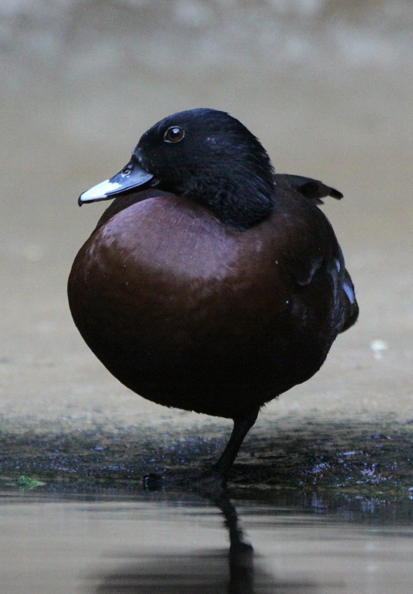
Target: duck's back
pixel 191 313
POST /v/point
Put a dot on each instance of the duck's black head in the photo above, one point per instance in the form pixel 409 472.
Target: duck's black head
pixel 206 156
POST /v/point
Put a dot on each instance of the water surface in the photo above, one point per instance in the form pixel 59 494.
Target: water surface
pixel 123 542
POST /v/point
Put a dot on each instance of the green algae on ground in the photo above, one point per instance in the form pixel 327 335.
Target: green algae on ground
pixel 25 482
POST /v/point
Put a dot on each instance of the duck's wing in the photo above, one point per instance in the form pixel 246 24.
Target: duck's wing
pixel 313 189
pixel 315 260
pixel 349 302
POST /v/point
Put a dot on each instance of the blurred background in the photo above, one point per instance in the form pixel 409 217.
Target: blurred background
pixel 327 87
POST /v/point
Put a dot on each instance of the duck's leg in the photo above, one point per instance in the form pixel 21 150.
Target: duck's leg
pixel 214 479
pixel 241 427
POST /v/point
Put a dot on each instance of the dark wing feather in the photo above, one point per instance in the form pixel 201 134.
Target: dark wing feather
pixel 313 189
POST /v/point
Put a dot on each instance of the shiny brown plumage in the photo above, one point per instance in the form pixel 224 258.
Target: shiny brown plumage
pixel 195 310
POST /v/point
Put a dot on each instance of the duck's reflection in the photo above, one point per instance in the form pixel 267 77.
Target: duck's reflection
pixel 212 571
pixel 241 554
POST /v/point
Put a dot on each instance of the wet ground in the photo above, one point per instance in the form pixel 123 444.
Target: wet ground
pixel 357 459
pixel 323 482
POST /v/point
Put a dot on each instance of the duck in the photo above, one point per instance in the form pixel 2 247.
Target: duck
pixel 211 283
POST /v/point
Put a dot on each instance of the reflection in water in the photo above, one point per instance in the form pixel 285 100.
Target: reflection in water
pixel 241 554
pixel 209 571
pixel 175 543
pixel 172 574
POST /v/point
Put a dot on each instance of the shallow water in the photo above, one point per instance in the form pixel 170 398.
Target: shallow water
pixel 123 542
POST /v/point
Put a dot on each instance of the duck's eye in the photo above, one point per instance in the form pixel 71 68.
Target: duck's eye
pixel 174 134
pixel 126 170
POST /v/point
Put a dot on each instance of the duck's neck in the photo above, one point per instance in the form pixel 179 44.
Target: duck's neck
pixel 240 201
